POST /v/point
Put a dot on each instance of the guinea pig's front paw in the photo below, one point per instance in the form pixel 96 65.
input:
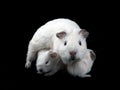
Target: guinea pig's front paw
pixel 86 75
pixel 49 74
pixel 28 65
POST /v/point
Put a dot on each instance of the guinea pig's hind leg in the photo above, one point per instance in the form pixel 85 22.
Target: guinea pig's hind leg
pixel 28 64
pixel 31 54
pixel 30 58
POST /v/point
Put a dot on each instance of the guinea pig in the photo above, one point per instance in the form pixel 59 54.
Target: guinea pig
pixel 82 67
pixel 48 63
pixel 73 46
pixel 63 36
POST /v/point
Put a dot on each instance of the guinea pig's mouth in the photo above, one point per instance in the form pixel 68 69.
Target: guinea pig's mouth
pixel 47 72
pixel 73 58
pixel 42 73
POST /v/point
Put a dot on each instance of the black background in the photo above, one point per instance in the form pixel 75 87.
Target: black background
pixel 21 22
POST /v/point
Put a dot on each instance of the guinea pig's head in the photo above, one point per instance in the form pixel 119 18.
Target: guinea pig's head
pixel 73 45
pixel 46 62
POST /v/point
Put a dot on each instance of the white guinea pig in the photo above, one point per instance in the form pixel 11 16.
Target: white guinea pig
pixel 82 67
pixel 63 36
pixel 73 46
pixel 48 63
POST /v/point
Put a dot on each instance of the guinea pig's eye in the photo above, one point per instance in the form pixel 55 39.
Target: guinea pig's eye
pixel 65 43
pixel 79 42
pixel 46 62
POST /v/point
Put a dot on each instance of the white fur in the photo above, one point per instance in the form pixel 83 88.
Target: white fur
pixel 82 67
pixel 45 38
pixel 72 45
pixel 52 65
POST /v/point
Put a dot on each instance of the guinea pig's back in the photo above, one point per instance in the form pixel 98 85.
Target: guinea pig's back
pixel 52 27
pixel 63 23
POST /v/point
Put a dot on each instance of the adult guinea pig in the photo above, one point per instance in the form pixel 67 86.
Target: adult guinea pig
pixel 82 67
pixel 63 36
pixel 72 47
pixel 48 63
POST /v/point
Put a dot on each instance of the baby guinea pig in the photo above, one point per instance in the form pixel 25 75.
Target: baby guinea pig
pixel 48 62
pixel 82 67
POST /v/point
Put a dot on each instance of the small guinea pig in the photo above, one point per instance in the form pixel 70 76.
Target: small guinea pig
pixel 82 67
pixel 61 35
pixel 48 62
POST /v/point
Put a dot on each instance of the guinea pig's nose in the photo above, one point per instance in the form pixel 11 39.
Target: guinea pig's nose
pixel 72 53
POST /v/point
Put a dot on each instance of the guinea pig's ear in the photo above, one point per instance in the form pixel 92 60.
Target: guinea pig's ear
pixel 84 32
pixel 61 35
pixel 53 54
pixel 92 55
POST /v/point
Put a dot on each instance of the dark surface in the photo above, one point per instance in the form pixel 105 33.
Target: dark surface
pixel 21 25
